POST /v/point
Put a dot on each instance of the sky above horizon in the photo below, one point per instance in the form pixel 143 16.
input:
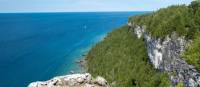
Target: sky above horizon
pixel 7 6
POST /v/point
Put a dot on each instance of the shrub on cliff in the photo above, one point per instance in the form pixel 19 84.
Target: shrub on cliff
pixel 122 59
pixel 192 54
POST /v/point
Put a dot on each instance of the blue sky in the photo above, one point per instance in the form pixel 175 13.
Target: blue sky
pixel 85 5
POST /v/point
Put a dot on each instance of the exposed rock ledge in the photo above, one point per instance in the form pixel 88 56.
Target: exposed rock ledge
pixel 73 80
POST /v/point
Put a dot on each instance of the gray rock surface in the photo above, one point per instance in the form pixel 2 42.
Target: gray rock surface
pixel 73 80
pixel 165 53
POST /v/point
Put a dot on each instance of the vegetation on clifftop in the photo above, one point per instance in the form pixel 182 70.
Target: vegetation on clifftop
pixel 182 19
pixel 122 59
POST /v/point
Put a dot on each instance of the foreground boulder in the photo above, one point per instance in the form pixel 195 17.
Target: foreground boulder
pixel 74 80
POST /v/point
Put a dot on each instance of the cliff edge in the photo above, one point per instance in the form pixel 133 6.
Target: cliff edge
pixel 73 80
pixel 165 55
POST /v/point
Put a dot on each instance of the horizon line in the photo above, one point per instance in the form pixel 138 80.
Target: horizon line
pixel 73 11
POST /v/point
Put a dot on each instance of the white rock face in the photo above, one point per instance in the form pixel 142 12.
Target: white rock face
pixel 74 80
pixel 164 54
pixel 139 31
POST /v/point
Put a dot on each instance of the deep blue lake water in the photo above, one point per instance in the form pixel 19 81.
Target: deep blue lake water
pixel 39 46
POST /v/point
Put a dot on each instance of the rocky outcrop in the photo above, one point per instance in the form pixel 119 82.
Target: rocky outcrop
pixel 165 53
pixel 74 80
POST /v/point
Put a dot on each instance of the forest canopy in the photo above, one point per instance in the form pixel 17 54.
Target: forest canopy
pixel 182 19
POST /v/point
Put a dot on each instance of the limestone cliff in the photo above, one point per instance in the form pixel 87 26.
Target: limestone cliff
pixel 73 80
pixel 165 55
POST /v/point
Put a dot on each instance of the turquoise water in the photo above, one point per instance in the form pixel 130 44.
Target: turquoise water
pixel 39 46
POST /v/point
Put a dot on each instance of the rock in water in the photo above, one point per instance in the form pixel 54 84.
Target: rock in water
pixel 73 80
